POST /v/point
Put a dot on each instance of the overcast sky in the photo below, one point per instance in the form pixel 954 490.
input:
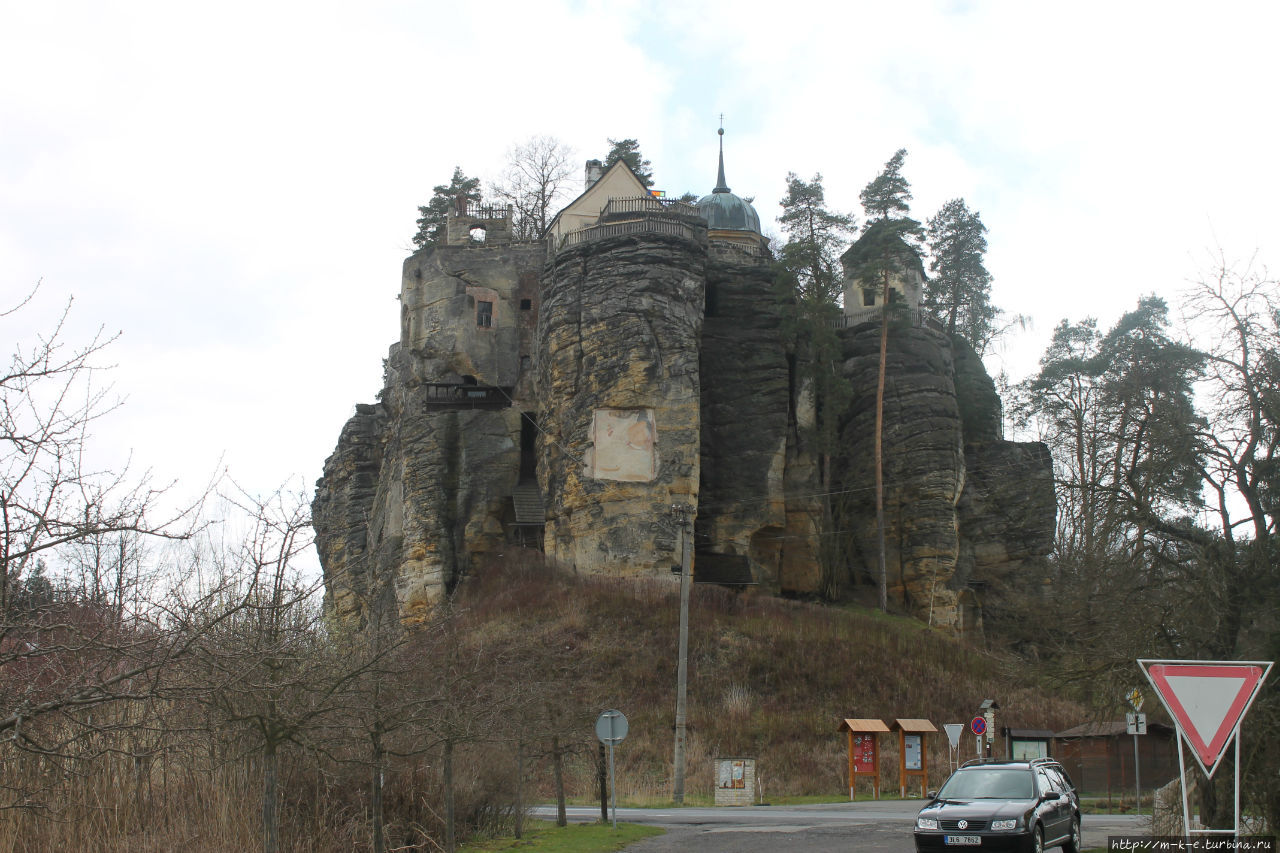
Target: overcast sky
pixel 233 186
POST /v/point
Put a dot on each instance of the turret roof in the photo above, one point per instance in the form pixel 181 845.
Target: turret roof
pixel 725 211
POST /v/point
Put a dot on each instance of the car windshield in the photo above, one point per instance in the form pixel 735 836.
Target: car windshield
pixel 989 783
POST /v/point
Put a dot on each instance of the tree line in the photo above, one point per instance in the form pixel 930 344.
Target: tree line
pixel 169 667
pixel 1164 430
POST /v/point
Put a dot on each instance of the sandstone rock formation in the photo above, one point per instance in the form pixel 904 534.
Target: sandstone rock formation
pixel 564 394
pixel 963 508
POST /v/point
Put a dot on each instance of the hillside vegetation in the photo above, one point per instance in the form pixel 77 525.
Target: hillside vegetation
pixel 768 678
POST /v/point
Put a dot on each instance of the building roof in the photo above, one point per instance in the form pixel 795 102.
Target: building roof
pixel 725 211
pixel 914 725
pixel 861 725
pixel 1109 729
pixel 1029 734
pixel 592 200
pixel 880 237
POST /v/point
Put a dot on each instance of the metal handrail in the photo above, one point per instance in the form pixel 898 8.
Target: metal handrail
pixel 648 204
pixel 647 224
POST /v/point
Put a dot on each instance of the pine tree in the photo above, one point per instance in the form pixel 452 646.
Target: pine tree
pixel 628 150
pixel 885 250
pixel 959 294
pixel 445 197
pixel 886 197
pixel 815 237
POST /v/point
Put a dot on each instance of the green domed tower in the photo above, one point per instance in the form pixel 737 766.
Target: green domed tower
pixel 730 218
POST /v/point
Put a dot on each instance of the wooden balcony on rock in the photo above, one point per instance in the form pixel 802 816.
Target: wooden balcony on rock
pixel 448 396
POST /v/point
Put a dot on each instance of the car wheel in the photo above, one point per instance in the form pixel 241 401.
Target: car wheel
pixel 1073 843
pixel 1037 840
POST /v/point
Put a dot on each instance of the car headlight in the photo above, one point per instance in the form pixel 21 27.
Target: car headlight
pixel 1011 823
pixel 926 823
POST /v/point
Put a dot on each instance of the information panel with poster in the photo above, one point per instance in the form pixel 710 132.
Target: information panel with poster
pixel 913 760
pixel 735 781
pixel 864 751
pixel 911 752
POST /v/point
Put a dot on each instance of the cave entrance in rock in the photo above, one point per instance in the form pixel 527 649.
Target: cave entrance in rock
pixel 766 552
pixel 969 615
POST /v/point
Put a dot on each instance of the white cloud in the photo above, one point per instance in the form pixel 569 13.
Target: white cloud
pixel 235 186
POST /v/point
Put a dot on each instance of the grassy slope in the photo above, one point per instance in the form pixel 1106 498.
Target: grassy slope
pixel 768 678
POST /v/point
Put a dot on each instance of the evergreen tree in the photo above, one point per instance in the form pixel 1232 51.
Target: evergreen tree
pixel 628 150
pixel 886 197
pixel 959 294
pixel 815 237
pixel 445 198
pixel 886 250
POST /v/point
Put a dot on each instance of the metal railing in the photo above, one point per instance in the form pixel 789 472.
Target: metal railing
pixel 648 224
pixel 648 204
pixel 484 211
pixel 919 317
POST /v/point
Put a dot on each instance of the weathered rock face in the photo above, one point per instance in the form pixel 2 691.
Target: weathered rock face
pixel 419 485
pixel 746 403
pixel 619 340
pixel 962 507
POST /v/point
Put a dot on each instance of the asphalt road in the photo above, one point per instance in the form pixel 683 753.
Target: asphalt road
pixel 866 827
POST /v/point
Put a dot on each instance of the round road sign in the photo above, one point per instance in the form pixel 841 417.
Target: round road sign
pixel 978 726
pixel 611 727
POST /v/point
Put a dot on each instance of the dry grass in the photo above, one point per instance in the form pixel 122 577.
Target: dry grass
pixel 768 678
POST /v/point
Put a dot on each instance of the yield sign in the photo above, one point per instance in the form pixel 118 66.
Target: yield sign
pixel 1207 700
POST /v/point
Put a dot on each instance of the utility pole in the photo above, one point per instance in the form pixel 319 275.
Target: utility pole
pixel 681 515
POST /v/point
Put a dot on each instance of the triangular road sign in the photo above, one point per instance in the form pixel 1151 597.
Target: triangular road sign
pixel 1207 700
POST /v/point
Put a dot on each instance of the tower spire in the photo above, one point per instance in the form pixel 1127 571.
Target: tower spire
pixel 721 187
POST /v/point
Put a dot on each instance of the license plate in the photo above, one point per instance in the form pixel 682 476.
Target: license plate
pixel 963 840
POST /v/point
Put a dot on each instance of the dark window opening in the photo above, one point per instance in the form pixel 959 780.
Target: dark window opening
pixel 484 314
pixel 528 447
pixel 712 308
pixel 894 296
pixel 868 297
pixel 526 304
pixel 525 364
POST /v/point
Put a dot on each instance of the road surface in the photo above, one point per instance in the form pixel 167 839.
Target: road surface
pixel 866 827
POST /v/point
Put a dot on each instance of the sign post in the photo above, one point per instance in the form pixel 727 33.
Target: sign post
pixel 1207 701
pixel 611 729
pixel 978 725
pixel 953 731
pixel 1136 724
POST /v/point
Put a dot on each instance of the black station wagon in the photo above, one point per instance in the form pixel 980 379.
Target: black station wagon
pixel 1022 806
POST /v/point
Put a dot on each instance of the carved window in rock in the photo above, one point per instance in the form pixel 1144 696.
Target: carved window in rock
pixel 484 314
pixel 625 446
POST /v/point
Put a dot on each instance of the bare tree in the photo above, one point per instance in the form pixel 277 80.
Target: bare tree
pixel 535 181
pixel 65 652
pixel 263 664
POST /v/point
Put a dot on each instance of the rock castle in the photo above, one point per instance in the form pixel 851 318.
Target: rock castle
pixel 564 394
